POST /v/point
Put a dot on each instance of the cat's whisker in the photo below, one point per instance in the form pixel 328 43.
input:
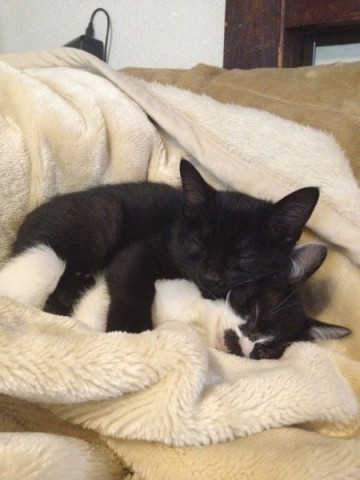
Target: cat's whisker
pixel 227 299
pixel 276 309
pixel 235 283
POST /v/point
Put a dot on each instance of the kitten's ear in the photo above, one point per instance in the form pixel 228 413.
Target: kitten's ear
pixel 324 331
pixel 196 191
pixel 290 214
pixel 305 260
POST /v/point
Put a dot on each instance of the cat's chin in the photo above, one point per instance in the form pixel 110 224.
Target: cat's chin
pixel 242 346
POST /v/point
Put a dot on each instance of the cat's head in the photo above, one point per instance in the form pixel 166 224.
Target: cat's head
pixel 226 239
pixel 270 314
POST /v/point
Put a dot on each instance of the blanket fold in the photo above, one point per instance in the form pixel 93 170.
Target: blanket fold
pixel 70 122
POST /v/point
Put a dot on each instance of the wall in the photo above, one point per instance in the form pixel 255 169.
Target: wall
pixel 146 33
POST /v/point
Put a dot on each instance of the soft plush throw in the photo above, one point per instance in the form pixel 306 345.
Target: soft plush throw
pixel 162 404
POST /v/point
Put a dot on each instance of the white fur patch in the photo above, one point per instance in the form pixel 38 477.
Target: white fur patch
pixel 175 300
pixel 30 277
pixel 92 308
pixel 181 300
pixel 247 346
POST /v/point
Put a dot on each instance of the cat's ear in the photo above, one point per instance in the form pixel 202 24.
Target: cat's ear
pixel 305 260
pixel 290 214
pixel 196 192
pixel 324 331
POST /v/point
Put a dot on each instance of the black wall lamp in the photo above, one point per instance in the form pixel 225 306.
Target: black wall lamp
pixel 89 43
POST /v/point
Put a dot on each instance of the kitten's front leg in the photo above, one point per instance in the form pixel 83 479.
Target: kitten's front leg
pixel 130 280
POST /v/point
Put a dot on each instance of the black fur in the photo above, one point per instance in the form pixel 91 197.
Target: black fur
pixel 274 309
pixel 137 233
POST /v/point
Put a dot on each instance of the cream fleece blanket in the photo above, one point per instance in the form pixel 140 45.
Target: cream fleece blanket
pixel 68 122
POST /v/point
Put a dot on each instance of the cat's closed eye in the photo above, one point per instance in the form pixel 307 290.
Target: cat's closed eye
pixel 242 262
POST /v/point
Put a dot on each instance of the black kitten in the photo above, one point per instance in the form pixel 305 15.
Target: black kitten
pixel 137 233
pixel 271 313
pixel 257 321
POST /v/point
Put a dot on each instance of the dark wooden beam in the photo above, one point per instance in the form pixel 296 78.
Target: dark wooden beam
pixel 253 30
pixel 283 33
pixel 317 13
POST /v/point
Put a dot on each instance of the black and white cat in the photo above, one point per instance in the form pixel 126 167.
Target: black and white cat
pixel 258 320
pixel 137 233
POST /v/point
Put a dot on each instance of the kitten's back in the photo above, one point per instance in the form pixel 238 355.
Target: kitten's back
pixel 85 228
